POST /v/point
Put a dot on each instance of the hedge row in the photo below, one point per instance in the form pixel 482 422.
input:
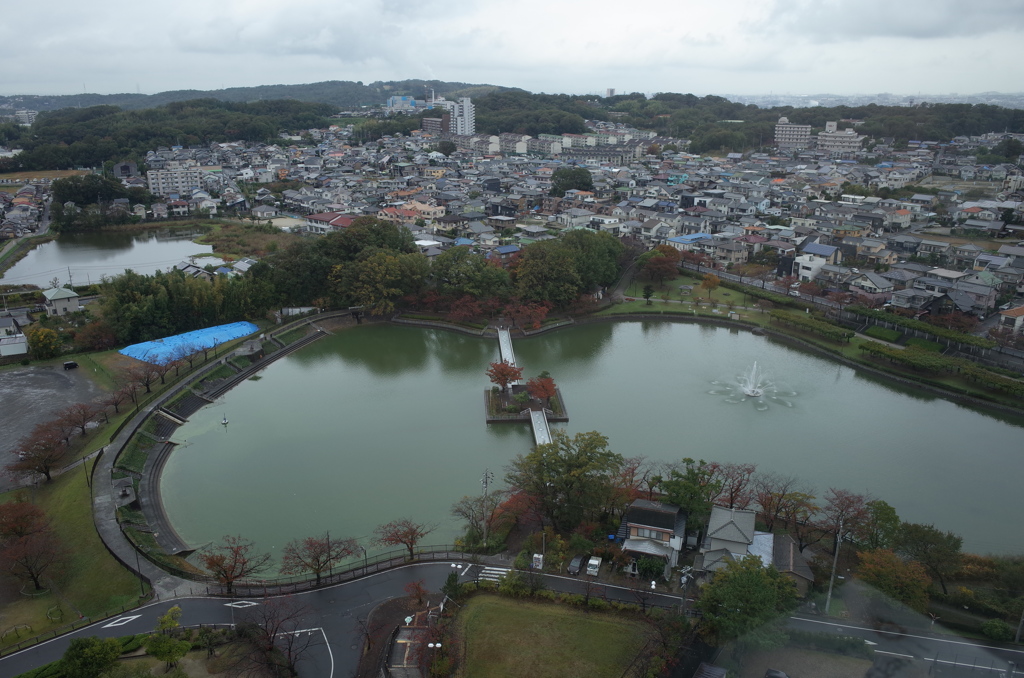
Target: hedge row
pixel 929 361
pixel 813 325
pixel 912 324
pixel 759 293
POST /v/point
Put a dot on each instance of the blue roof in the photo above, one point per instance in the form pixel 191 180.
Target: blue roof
pixel 507 249
pixel 819 249
pixel 160 351
pixel 692 237
pixel 463 241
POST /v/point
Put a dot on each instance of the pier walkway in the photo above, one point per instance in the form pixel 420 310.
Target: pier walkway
pixel 541 431
pixel 505 350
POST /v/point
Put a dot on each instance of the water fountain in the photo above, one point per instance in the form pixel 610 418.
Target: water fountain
pixel 753 386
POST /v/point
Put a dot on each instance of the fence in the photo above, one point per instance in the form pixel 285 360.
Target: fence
pixel 60 630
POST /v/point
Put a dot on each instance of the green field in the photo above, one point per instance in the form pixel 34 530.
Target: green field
pixel 504 637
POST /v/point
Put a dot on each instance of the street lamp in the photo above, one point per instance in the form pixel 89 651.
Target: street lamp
pixel 365 558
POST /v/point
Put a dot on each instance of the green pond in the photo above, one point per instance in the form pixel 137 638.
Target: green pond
pixel 382 422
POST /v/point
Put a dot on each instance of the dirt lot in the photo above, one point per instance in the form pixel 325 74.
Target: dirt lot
pixel 30 394
pixel 21 177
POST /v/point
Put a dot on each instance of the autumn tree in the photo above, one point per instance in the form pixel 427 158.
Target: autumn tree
pixel 143 374
pixel 737 485
pixel 41 451
pixel 416 590
pixel 571 477
pixel 939 552
pixel 542 388
pixel 895 578
pixel 80 415
pixel 527 314
pixel 463 309
pixel 116 397
pixel 799 512
pixel 504 373
pixel 403 532
pixel 235 558
pixel 480 513
pixel 742 597
pixel 43 342
pixel 773 493
pixel 316 555
pixel 20 519
pixel 843 513
pixel 30 557
pixel 661 267
pixel 710 282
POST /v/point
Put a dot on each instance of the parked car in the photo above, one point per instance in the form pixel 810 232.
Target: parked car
pixel 593 566
pixel 70 365
pixel 575 565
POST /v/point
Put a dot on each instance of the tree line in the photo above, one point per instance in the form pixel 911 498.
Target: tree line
pixel 88 137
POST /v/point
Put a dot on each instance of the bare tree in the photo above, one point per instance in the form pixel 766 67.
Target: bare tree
pixel 79 415
pixel 316 555
pixel 772 493
pixel 278 635
pixel 403 532
pixel 143 374
pixel 234 559
pixel 737 485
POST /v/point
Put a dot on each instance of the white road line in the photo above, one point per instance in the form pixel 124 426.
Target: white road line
pixel 910 635
pixel 121 621
pixel 895 654
pixel 241 604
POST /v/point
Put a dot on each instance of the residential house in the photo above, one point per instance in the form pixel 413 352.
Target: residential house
pixel 60 301
pixel 654 529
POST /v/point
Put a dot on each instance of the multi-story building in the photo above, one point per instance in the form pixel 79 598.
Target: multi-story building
pixel 166 182
pixel 463 115
pixel 792 137
pixel 834 141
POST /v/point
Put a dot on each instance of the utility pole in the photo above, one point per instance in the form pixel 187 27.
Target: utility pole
pixel 485 481
pixel 835 559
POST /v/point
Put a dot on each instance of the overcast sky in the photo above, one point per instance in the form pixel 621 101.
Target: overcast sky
pixel 698 46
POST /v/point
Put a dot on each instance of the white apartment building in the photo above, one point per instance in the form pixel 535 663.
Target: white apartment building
pixel 463 115
pixel 792 137
pixel 25 117
pixel 834 141
pixel 166 182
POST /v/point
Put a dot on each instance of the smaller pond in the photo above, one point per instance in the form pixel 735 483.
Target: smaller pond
pixel 88 257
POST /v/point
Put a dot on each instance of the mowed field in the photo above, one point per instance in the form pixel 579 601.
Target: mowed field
pixel 506 638
pixel 21 177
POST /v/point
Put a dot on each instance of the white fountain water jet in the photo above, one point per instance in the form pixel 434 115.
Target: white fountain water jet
pixel 751 384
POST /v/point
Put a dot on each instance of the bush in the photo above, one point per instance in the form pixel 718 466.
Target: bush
pixel 877 332
pixel 997 629
pixel 598 604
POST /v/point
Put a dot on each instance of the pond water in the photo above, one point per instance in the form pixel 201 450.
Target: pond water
pixel 90 256
pixel 382 422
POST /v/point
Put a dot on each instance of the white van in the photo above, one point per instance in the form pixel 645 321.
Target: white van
pixel 593 566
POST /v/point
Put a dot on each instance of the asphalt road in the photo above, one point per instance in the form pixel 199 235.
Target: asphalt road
pixel 332 618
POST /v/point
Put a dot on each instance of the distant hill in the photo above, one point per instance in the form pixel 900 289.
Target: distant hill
pixel 338 93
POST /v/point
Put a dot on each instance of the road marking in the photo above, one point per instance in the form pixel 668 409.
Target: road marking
pixel 870 643
pixel 241 603
pixel 121 621
pixel 910 635
pixel 895 654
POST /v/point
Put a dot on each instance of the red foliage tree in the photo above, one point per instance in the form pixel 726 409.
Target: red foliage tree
pixel 79 416
pixel 315 555
pixel 96 336
pixel 20 519
pixel 737 485
pixel 463 309
pixel 403 532
pixel 41 451
pixel 234 559
pixel 844 512
pixel 416 590
pixel 542 388
pixel 504 373
pixel 31 556
pixel 531 314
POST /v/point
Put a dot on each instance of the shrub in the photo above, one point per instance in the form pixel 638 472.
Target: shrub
pixel 877 332
pixel 997 629
pixel 598 604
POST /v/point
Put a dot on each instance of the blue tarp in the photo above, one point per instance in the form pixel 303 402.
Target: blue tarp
pixel 160 351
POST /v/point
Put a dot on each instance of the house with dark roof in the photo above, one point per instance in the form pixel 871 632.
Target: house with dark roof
pixel 654 529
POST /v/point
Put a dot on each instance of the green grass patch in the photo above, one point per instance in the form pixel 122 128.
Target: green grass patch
pixel 268 347
pixel 135 453
pixel 513 638
pixel 292 336
pixel 925 344
pixel 892 336
pixel 222 372
pixel 131 515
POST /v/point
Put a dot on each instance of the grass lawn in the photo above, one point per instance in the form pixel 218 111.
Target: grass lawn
pixel 19 178
pixel 796 662
pixel 511 638
pixel 89 582
pixel 233 240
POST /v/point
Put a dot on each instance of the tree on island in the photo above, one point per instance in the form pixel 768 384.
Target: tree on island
pixel 542 388
pixel 504 373
pixel 316 555
pixel 403 532
pixel 234 559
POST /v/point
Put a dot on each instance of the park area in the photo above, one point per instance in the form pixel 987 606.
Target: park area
pixel 504 637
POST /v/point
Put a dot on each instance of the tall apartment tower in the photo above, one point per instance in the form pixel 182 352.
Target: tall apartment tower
pixel 834 141
pixel 463 115
pixel 792 137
